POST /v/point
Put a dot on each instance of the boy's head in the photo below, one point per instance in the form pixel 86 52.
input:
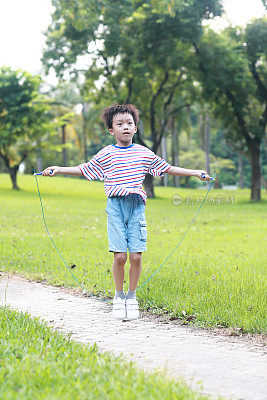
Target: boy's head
pixel 121 120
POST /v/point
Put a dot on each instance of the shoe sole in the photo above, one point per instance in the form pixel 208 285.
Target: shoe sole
pixel 132 308
pixel 131 318
pixel 120 316
pixel 119 307
pixel 114 316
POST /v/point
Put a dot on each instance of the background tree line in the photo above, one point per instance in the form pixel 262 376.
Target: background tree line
pixel 202 94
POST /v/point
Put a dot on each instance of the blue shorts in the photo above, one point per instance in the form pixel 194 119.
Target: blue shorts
pixel 126 223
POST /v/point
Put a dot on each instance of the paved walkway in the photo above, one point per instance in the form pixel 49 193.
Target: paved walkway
pixel 214 364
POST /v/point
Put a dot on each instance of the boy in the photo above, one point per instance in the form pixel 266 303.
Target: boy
pixel 123 167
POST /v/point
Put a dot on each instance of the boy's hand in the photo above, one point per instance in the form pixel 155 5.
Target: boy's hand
pixel 55 170
pixel 200 172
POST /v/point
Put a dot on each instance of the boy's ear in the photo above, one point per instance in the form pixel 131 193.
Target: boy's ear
pixel 111 132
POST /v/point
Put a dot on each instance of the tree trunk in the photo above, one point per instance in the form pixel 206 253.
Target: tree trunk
pixel 84 112
pixel 64 149
pixel 164 156
pixel 263 182
pixel 13 170
pixel 39 159
pixel 207 142
pixel 241 169
pixel 217 181
pixel 148 185
pixel 187 181
pixel 256 170
pixel 175 154
pixel 201 129
pixel 13 174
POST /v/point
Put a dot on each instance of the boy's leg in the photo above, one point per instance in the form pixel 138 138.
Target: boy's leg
pixel 118 269
pixel 119 306
pixel 132 307
pixel 135 269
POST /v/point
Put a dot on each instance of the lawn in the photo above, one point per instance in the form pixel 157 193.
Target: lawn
pixel 37 363
pixel 217 276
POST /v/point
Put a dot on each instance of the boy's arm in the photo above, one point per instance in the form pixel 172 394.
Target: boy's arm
pixel 188 172
pixel 62 170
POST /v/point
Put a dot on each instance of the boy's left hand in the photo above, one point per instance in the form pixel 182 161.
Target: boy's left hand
pixel 199 172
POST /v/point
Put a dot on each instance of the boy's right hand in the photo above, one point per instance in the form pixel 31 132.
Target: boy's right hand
pixel 55 170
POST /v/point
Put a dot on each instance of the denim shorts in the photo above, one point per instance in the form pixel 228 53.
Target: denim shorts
pixel 126 223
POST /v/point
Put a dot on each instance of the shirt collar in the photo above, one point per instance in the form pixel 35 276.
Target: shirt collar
pixel 122 147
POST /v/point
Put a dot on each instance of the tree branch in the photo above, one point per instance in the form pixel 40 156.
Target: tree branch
pixel 6 160
pixel 165 121
pixel 109 72
pixel 130 88
pixel 152 108
pixel 179 108
pixel 259 83
pixel 139 139
pixel 231 98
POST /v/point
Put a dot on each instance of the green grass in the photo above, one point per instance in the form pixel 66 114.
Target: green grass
pixel 37 363
pixel 217 277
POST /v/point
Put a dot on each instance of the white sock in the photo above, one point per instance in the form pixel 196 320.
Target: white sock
pixel 119 293
pixel 131 294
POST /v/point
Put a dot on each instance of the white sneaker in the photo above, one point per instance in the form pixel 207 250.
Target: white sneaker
pixel 132 309
pixel 119 309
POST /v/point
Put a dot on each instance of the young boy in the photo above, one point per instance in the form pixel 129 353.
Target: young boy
pixel 123 167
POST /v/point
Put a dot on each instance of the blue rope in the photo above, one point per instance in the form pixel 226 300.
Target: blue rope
pixel 57 248
pixel 138 288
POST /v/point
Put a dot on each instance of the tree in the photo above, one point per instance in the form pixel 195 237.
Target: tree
pixel 232 69
pixel 23 117
pixel 141 56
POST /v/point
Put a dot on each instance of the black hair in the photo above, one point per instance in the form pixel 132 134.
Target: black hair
pixel 109 112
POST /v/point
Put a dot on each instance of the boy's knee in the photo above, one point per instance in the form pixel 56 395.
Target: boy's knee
pixel 120 257
pixel 135 257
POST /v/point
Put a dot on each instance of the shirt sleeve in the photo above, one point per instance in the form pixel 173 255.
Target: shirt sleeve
pixel 92 169
pixel 158 166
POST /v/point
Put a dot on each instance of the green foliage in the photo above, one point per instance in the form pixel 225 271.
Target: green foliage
pixel 232 70
pixel 255 41
pixel 18 92
pixel 146 56
pixel 24 113
pixel 195 159
pixel 207 9
pixel 144 52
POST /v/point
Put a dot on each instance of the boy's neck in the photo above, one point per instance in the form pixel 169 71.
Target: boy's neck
pixel 124 144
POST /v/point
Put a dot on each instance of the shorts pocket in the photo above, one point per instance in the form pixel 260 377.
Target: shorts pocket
pixel 143 230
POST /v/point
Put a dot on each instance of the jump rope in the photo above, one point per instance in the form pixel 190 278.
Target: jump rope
pixel 157 270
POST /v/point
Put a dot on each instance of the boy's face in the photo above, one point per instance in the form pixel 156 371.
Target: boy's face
pixel 123 128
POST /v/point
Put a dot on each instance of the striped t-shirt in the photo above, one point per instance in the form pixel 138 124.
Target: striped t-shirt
pixel 123 169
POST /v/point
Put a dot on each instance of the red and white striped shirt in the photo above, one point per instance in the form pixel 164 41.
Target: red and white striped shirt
pixel 123 169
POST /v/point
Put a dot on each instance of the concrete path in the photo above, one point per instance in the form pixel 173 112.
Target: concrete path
pixel 212 363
